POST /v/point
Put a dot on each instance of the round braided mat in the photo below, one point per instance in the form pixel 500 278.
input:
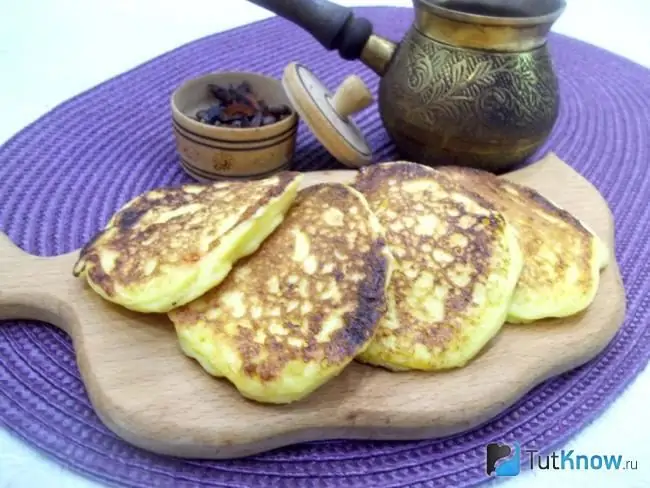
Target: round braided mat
pixel 63 177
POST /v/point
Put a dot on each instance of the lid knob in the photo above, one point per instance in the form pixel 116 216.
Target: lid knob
pixel 351 97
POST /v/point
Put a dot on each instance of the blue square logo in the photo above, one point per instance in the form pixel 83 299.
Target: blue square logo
pixel 502 459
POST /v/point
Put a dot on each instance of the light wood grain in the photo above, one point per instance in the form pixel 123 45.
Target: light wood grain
pixel 152 396
pixel 319 110
pixel 208 153
pixel 351 96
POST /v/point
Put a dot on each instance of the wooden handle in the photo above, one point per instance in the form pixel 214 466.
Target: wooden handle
pixel 332 25
pixel 33 287
pixel 351 97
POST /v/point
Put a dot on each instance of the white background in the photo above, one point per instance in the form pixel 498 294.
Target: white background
pixel 51 50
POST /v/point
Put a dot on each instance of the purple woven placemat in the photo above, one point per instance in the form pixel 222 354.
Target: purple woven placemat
pixel 63 177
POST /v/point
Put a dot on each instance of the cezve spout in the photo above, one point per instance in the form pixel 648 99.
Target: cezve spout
pixel 336 28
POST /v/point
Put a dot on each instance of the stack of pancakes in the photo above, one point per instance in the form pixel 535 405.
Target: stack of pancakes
pixel 408 268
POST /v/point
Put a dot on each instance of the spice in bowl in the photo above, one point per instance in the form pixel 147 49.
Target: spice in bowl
pixel 239 107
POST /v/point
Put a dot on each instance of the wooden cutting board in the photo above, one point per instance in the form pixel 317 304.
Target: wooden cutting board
pixel 147 392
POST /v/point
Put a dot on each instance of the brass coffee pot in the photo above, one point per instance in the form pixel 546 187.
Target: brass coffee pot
pixel 472 82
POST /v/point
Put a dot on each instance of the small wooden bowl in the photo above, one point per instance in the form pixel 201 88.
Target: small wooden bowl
pixel 209 153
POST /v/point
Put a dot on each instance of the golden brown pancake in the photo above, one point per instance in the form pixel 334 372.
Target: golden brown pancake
pixel 457 264
pixel 291 316
pixel 562 258
pixel 168 246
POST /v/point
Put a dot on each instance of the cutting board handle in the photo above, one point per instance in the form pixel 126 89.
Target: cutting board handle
pixel 34 287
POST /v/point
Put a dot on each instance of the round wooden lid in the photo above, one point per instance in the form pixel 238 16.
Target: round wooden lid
pixel 328 115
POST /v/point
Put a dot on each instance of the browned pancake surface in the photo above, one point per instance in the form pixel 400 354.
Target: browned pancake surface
pixel 559 251
pixel 447 242
pixel 297 311
pixel 171 227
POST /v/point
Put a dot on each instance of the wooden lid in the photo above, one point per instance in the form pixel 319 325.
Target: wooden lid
pixel 328 115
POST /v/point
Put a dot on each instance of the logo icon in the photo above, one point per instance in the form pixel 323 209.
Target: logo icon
pixel 502 459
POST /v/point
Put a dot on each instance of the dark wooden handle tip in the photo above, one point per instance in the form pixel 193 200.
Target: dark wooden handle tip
pixel 335 27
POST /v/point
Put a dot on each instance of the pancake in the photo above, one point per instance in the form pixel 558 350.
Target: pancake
pixel 562 257
pixel 291 316
pixel 457 265
pixel 168 246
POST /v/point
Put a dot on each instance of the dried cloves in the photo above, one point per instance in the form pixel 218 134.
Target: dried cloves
pixel 238 106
